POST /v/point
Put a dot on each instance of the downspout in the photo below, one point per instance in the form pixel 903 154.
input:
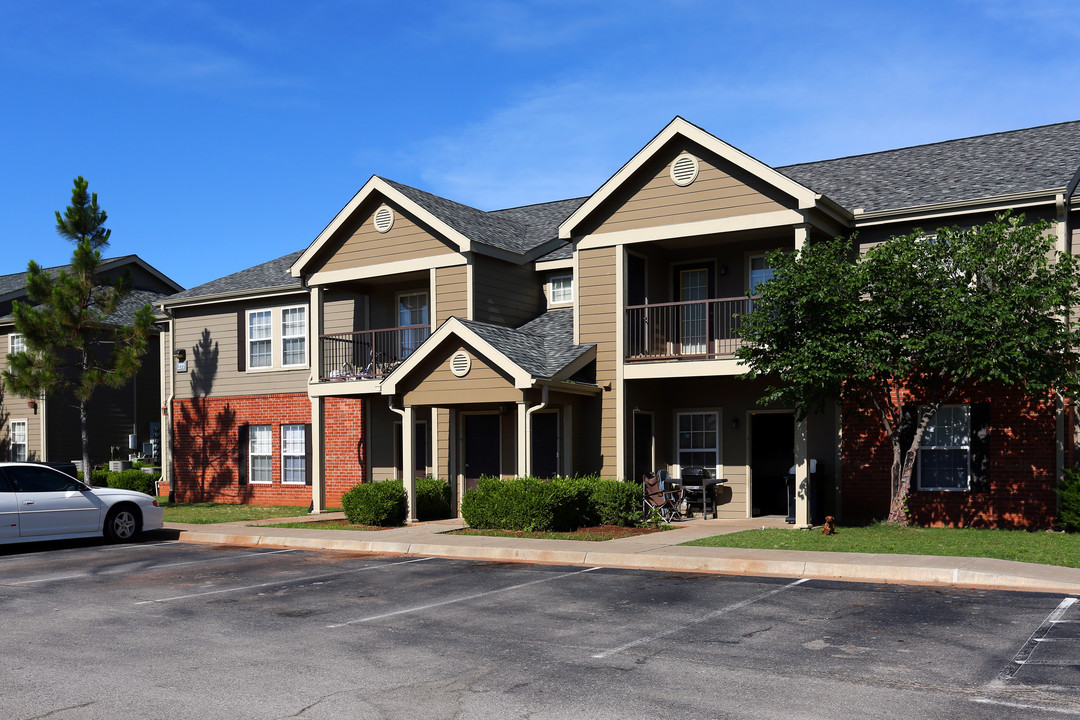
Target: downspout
pixel 408 470
pixel 528 429
pixel 166 410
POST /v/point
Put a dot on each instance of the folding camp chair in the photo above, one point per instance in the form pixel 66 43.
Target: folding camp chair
pixel 661 497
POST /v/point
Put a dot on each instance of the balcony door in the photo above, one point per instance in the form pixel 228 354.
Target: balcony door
pixel 693 284
pixel 412 311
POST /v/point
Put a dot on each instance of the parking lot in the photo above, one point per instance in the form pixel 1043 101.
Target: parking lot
pixel 161 629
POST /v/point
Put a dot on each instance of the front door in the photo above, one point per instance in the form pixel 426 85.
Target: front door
pixel 545 445
pixel 482 441
pixel 772 453
pixel 643 445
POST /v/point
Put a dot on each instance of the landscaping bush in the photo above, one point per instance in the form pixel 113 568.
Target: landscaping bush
pixel 1069 494
pixel 432 499
pixel 379 503
pixel 133 480
pixel 560 505
pixel 98 478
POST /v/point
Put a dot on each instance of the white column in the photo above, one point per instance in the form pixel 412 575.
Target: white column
pixel 801 233
pixel 318 486
pixel 523 467
pixel 408 460
pixel 802 475
pixel 1059 427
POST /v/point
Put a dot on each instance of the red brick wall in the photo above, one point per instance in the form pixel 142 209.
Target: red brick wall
pixel 344 446
pixel 206 456
pixel 1022 469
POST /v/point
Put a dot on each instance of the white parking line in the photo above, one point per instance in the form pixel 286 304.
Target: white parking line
pixel 703 618
pixel 120 571
pixel 1024 655
pixel 288 581
pixel 1024 706
pixel 441 603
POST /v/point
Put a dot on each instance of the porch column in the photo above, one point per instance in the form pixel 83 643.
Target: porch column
pixel 523 467
pixel 318 485
pixel 408 461
pixel 802 475
pixel 801 233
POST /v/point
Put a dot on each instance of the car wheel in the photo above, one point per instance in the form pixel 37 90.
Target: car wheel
pixel 121 524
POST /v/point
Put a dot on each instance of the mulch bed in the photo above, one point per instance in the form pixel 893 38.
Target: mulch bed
pixel 600 532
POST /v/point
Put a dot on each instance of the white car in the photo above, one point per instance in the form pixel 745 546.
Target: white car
pixel 40 503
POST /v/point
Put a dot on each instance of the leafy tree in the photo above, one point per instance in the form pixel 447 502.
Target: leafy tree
pixel 73 344
pixel 918 318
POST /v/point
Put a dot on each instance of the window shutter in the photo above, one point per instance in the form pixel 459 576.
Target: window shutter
pixel 980 447
pixel 242 454
pixel 307 453
pixel 241 341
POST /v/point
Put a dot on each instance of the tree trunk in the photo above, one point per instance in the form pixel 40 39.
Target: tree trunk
pixel 901 486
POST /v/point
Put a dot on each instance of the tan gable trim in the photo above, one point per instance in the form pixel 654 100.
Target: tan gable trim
pixel 376 186
pixel 803 196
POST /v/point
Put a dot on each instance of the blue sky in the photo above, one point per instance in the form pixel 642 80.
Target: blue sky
pixel 221 135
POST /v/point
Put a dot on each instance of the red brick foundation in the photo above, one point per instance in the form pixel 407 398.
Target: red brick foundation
pixel 1023 469
pixel 344 446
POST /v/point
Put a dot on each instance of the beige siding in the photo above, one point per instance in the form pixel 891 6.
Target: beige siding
pixel 721 190
pixel 14 407
pixel 442 419
pixel 597 308
pixel 451 293
pixel 212 340
pixel 504 293
pixel 343 312
pixel 359 244
pixel 433 384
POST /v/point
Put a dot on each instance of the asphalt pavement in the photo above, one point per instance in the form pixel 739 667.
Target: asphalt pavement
pixel 655 551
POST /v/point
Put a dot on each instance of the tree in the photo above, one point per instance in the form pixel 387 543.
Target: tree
pixel 74 344
pixel 918 317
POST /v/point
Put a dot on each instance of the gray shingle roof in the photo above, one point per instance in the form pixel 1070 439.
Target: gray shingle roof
pixel 1033 159
pixel 542 347
pixel 270 275
pixel 15 282
pixel 542 220
pixel 125 311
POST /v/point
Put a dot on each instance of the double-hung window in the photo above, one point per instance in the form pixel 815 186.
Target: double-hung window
pixel 260 339
pixel 293 455
pixel 293 336
pixel 16 343
pixel 945 452
pixel 699 440
pixel 562 289
pixel 19 443
pixel 260 454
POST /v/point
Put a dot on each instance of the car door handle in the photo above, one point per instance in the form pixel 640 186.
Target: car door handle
pixel 28 502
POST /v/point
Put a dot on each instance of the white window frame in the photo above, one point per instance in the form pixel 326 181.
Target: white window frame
pixel 562 295
pixel 291 453
pixel 301 335
pixel 25 444
pixel 269 339
pixel 718 469
pixel 14 338
pixel 931 448
pixel 269 454
pixel 750 284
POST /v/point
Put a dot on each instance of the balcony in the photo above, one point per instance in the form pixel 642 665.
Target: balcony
pixel 368 354
pixel 691 330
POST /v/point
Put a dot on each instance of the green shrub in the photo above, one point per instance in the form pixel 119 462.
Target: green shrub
pixel 378 503
pixel 99 478
pixel 432 499
pixel 616 503
pixel 1069 507
pixel 133 480
pixel 560 505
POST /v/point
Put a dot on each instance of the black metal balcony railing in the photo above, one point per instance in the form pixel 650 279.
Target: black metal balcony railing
pixel 368 354
pixel 695 329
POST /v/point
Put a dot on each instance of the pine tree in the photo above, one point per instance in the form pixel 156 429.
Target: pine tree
pixel 73 346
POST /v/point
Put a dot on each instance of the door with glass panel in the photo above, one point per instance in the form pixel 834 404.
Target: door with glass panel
pixel 694 316
pixel 412 311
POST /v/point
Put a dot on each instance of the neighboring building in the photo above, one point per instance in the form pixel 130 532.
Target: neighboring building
pixel 592 335
pixel 48 428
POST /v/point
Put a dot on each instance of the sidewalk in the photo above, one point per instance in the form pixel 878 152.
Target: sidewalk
pixel 656 551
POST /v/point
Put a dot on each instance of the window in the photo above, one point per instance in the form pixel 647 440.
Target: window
pixel 759 272
pixel 40 479
pixel 17 431
pixel 562 289
pixel 699 440
pixel 260 448
pixel 944 456
pixel 16 343
pixel 260 339
pixel 293 455
pixel 294 336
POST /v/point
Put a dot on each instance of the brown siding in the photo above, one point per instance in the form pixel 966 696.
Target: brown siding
pixel 433 384
pixel 211 339
pixel 597 306
pixel 451 293
pixel 721 190
pixel 359 244
pixel 343 312
pixel 504 293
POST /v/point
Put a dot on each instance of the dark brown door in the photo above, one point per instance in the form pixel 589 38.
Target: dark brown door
pixel 481 448
pixel 545 445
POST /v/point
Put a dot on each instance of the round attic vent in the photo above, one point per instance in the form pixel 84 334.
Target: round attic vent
pixel 684 170
pixel 384 219
pixel 460 364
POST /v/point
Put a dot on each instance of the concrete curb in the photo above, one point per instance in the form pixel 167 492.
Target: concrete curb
pixel 893 569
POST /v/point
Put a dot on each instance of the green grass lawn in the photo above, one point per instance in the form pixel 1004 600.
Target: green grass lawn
pixel 1035 547
pixel 208 512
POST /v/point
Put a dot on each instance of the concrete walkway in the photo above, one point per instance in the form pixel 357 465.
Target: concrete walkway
pixel 656 551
